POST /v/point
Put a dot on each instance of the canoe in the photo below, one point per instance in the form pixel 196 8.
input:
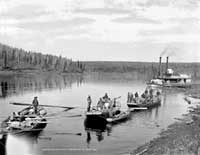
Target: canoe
pixel 122 116
pixel 145 104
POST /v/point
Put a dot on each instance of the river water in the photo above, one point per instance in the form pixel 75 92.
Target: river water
pixel 65 132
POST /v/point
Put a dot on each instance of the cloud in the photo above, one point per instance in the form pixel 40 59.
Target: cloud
pixel 185 20
pixel 135 19
pixel 104 11
pixel 24 11
pixel 99 22
pixel 55 24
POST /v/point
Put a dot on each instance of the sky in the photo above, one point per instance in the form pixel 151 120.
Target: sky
pixel 104 30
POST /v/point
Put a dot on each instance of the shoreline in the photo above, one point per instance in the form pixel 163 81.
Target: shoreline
pixel 181 137
pixel 35 72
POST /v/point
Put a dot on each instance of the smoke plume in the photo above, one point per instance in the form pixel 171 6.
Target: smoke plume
pixel 170 51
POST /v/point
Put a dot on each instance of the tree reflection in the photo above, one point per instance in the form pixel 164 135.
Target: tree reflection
pixel 19 84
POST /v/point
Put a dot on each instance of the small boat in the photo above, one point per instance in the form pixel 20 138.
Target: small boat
pixel 100 114
pixel 145 104
pixel 97 116
pixel 122 116
pixel 25 121
pixel 104 117
pixel 149 99
pixel 30 111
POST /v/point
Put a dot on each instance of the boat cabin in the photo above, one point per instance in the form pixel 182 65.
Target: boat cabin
pixel 170 79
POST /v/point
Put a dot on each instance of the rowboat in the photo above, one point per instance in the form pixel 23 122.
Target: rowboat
pixel 25 121
pixel 108 116
pixel 145 104
pixel 97 116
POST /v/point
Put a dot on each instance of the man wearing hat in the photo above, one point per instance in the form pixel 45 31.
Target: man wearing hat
pixel 35 104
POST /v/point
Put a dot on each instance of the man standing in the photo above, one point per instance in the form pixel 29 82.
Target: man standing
pixel 89 100
pixel 35 104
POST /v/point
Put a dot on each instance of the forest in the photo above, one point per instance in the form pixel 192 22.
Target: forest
pixel 16 59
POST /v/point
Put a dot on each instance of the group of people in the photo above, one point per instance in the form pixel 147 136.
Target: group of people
pixel 146 96
pixel 104 103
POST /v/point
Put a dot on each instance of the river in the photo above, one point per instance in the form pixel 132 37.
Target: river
pixel 65 132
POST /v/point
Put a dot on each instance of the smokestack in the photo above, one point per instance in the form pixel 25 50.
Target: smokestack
pixel 160 68
pixel 167 59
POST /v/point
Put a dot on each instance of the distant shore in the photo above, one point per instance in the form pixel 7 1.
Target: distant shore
pixel 35 72
pixel 182 137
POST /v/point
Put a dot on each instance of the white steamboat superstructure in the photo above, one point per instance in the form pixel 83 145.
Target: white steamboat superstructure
pixel 170 79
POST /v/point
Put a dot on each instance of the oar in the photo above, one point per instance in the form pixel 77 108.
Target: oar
pixel 20 131
pixel 55 106
pixel 74 116
pixel 44 138
pixel 139 108
pixel 117 97
pixel 66 133
pixel 52 117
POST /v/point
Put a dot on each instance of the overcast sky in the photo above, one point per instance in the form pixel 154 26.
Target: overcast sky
pixel 116 30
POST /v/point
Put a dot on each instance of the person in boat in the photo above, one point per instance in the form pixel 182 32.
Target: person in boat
pixel 136 97
pixel 128 98
pixel 106 106
pixel 89 100
pixel 158 95
pixel 114 103
pixel 151 94
pixel 13 117
pixel 145 95
pixel 35 104
pixel 131 97
pixel 100 104
pixel 106 98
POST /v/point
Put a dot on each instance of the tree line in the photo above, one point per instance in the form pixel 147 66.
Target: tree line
pixel 19 59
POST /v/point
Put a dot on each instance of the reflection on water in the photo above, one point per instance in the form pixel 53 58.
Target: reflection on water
pixel 73 90
pixel 4 89
pixel 19 84
pixel 100 130
pixel 3 140
pixel 22 144
pixel 96 128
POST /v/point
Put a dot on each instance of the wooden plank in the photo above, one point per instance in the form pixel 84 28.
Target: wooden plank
pixel 139 108
pixel 53 106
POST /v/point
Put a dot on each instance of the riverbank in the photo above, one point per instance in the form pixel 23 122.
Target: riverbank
pixel 182 137
pixel 35 72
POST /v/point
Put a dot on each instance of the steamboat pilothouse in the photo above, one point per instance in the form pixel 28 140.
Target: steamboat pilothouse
pixel 169 78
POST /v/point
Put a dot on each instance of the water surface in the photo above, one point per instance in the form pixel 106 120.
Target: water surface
pixel 67 135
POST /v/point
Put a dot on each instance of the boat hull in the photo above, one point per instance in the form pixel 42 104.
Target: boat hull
pixel 96 117
pixel 37 127
pixel 104 118
pixel 122 117
pixel 144 105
